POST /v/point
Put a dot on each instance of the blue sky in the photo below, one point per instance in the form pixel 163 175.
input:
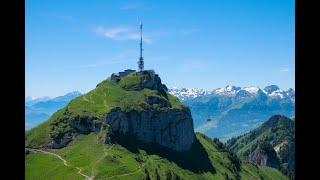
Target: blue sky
pixel 74 45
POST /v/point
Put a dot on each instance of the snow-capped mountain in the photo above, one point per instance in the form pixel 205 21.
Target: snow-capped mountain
pixel 291 94
pixel 67 97
pixel 29 101
pixel 188 93
pixel 230 111
pixel 227 91
pixel 253 90
pixel 271 91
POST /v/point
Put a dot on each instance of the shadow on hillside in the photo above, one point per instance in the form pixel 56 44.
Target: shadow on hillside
pixel 196 159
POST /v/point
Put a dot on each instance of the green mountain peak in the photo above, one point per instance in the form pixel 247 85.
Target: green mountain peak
pixel 271 144
pixel 134 103
pixel 130 127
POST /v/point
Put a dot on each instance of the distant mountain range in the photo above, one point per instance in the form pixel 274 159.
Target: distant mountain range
pixel 271 91
pixel 223 113
pixel 188 93
pixel 29 101
pixel 231 111
pixel 40 109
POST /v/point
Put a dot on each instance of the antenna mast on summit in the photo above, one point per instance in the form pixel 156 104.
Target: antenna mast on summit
pixel 141 62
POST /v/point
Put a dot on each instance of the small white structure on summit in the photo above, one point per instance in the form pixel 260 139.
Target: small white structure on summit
pixel 117 76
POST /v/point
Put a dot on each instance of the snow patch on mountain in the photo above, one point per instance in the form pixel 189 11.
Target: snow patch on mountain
pixel 253 90
pixel 271 91
pixel 188 93
pixel 227 91
pixel 291 94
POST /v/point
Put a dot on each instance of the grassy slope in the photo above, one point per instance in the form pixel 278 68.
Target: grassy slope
pixel 282 133
pixel 40 134
pixel 250 171
pixel 96 104
pixel 110 94
pixel 45 166
pixel 100 161
pixel 247 146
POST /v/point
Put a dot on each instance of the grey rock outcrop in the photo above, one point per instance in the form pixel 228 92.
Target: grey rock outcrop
pixel 264 157
pixel 155 100
pixel 61 142
pixel 172 128
pixel 150 80
pixel 80 125
pixel 158 122
pixel 85 124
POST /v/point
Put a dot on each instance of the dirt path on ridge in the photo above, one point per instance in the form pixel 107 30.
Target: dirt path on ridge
pixel 64 161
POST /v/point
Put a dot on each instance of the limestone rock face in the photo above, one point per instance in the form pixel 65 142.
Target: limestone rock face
pixel 85 124
pixel 150 80
pixel 172 128
pixel 155 100
pixel 158 122
pixel 264 157
pixel 61 142
pixel 80 125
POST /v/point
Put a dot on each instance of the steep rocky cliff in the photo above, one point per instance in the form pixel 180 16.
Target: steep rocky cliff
pixel 137 105
pixel 264 155
pixel 172 128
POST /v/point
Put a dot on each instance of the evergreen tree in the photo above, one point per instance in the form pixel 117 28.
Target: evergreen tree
pixel 147 174
pixel 157 175
pixel 168 175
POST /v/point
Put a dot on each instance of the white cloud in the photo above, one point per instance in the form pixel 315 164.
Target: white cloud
pixel 207 126
pixel 113 33
pixel 131 6
pixel 121 33
pixel 123 57
pixel 188 31
pixel 285 70
pixel 244 125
